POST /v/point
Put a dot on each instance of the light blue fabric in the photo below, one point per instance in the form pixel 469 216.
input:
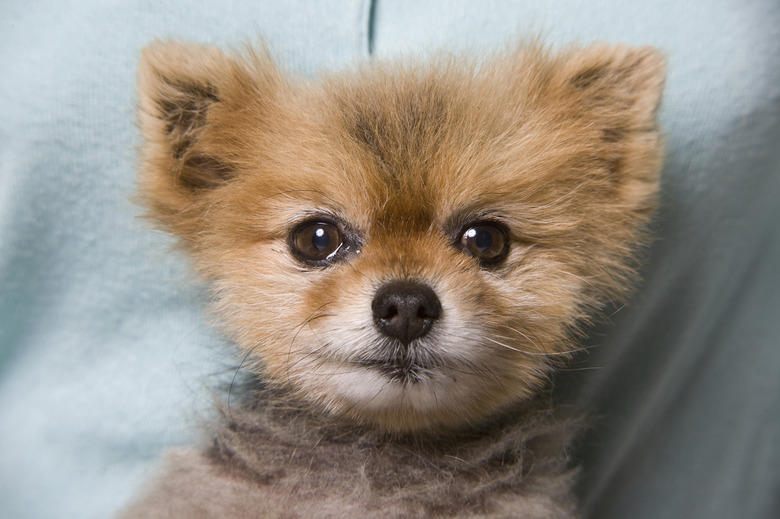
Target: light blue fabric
pixel 105 356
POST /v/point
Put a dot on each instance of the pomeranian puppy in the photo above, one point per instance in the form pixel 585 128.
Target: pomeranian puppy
pixel 402 254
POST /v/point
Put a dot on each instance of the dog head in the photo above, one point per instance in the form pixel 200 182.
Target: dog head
pixel 407 245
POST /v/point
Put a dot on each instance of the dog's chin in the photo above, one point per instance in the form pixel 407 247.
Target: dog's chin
pixel 402 394
pixel 394 396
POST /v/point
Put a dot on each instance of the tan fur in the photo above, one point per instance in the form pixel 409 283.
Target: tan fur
pixel 562 149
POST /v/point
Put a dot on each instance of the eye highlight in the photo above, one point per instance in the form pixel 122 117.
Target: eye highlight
pixel 486 241
pixel 316 242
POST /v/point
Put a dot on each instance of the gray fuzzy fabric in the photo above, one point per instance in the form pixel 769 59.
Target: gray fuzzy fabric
pixel 274 459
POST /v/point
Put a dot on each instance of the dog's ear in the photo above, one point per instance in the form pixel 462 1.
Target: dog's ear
pixel 615 92
pixel 191 101
pixel 618 80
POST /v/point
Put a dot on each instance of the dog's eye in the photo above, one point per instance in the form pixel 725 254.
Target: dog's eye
pixel 488 242
pixel 316 242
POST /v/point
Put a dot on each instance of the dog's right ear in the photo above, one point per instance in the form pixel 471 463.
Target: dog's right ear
pixel 191 101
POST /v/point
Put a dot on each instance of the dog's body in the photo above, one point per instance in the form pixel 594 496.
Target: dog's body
pixel 402 254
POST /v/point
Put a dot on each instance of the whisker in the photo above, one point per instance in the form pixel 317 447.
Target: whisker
pixel 314 315
pixel 233 381
pixel 536 354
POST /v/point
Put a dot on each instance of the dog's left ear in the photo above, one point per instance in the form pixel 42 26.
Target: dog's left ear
pixel 617 80
pixel 615 92
pixel 193 103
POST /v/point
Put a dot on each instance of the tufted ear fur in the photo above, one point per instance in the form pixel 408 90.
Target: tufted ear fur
pixel 617 89
pixel 191 97
pixel 619 77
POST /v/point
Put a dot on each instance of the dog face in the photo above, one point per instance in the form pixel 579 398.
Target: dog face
pixel 409 246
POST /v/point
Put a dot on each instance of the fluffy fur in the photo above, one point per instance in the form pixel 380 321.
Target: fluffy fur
pixel 272 459
pixel 558 154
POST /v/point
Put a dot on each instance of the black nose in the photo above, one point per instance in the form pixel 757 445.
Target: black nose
pixel 405 310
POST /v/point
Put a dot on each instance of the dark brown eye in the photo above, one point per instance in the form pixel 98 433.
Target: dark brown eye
pixel 488 242
pixel 316 242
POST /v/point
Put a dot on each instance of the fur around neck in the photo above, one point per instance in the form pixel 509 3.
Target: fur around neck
pixel 272 458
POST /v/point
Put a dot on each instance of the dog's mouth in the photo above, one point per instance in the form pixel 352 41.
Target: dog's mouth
pixel 406 369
